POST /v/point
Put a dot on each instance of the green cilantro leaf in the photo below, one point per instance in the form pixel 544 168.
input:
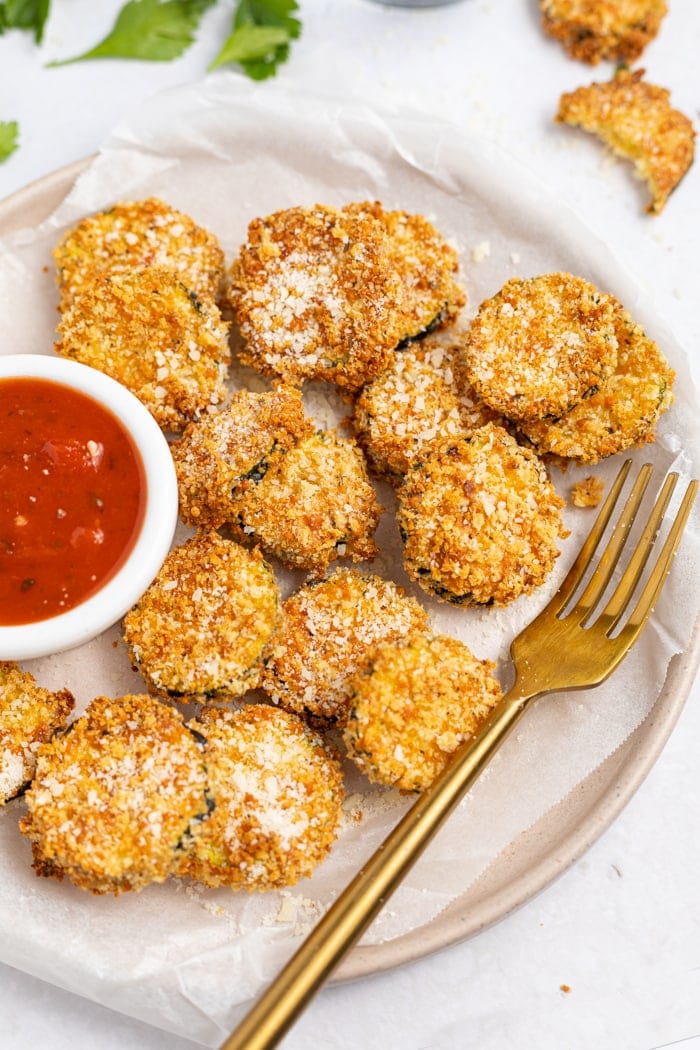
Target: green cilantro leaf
pixel 262 33
pixel 152 30
pixel 9 138
pixel 25 14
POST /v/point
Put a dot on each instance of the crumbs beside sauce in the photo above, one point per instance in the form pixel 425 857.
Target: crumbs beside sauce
pixel 73 493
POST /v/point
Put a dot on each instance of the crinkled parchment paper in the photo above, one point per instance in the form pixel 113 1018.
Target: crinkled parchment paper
pixel 225 151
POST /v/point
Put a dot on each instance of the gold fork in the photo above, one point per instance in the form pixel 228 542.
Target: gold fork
pixel 563 648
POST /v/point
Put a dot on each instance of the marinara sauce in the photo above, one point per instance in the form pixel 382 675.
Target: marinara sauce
pixel 72 495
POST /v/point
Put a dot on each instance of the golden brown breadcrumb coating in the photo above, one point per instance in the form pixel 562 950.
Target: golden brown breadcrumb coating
pixel 114 799
pixel 480 520
pixel 315 294
pixel 541 345
pixel 29 716
pixel 412 704
pixel 277 793
pixel 222 455
pixel 591 30
pixel 314 504
pixel 426 264
pixel 149 332
pixel 133 235
pixel 625 410
pixel 327 631
pixel 330 293
pixel 202 628
pixel 423 395
pixel 637 121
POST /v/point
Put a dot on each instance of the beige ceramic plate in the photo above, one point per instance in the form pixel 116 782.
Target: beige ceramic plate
pixel 537 857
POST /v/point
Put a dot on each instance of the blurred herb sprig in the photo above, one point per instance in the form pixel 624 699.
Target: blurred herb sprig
pixel 162 30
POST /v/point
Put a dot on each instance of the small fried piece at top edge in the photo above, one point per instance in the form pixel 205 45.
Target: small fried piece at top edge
pixel 636 120
pixel 327 630
pixel 314 504
pixel 277 793
pixel 591 30
pixel 221 456
pixel 114 799
pixel 423 395
pixel 625 410
pixel 202 629
pixel 132 235
pixel 317 296
pixel 153 335
pixel 428 267
pixel 412 704
pixel 541 345
pixel 480 520
pixel 29 716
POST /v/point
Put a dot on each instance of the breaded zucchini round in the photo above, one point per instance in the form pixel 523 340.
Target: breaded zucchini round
pixel 541 345
pixel 625 410
pixel 222 455
pixel 115 798
pixel 29 716
pixel 591 30
pixel 637 121
pixel 133 235
pixel 327 631
pixel 202 628
pixel 421 396
pixel 412 704
pixel 314 504
pixel 153 335
pixel 426 264
pixel 315 295
pixel 480 520
pixel 277 793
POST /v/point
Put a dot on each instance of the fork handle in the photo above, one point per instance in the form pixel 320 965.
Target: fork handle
pixel 345 921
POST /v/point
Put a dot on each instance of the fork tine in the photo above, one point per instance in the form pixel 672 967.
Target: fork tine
pixel 586 604
pixel 583 559
pixel 625 588
pixel 652 589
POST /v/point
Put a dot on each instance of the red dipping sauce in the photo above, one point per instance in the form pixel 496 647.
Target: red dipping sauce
pixel 72 498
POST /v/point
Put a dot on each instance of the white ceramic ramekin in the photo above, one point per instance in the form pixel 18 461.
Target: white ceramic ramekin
pixel 121 591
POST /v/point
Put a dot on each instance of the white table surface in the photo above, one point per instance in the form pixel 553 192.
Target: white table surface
pixel 621 928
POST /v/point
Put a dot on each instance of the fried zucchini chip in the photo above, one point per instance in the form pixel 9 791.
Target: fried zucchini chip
pixel 328 629
pixel 29 716
pixel 133 235
pixel 480 520
pixel 277 793
pixel 203 627
pixel 625 410
pixel 412 704
pixel 427 266
pixel 541 345
pixel 315 294
pixel 115 798
pixel 223 455
pixel 314 504
pixel 636 120
pixel 423 395
pixel 155 336
pixel 591 30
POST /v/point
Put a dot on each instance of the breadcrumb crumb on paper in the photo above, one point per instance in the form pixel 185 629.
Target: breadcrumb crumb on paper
pixel 637 121
pixel 588 492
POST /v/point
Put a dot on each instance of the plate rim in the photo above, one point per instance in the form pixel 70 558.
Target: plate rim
pixel 620 776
